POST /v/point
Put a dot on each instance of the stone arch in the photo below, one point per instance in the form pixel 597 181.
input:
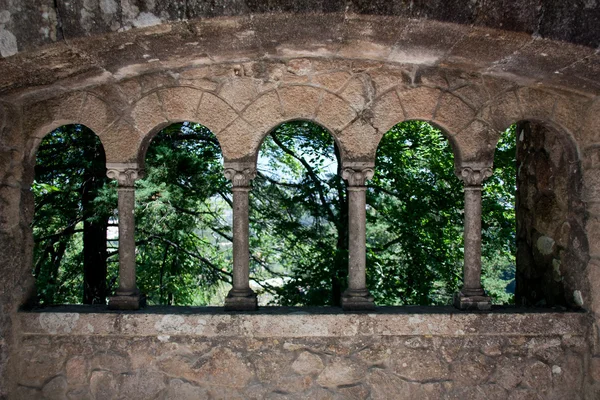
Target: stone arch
pixel 167 106
pixel 401 104
pixel 81 107
pixel 343 157
pixel 296 103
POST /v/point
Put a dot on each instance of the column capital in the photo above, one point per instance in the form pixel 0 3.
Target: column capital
pixel 125 173
pixel 240 174
pixel 357 176
pixel 473 176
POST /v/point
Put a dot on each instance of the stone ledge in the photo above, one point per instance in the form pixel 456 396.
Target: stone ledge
pixel 299 322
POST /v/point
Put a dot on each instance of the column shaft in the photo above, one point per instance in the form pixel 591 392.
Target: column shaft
pixel 241 270
pixel 241 297
pixel 357 239
pixel 357 296
pixel 472 239
pixel 472 295
pixel 127 285
pixel 127 296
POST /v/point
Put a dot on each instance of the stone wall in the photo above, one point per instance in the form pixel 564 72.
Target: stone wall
pixel 26 25
pixel 395 354
pixel 357 75
pixel 551 247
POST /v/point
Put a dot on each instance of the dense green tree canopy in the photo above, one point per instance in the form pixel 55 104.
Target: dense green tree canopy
pixel 298 220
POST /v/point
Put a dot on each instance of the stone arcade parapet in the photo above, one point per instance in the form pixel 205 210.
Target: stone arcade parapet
pixel 399 353
pixel 355 74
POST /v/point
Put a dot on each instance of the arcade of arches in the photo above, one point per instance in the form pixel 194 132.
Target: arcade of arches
pixel 356 75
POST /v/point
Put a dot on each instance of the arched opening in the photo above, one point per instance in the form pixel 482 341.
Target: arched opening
pixel 299 217
pixel 551 247
pixel 183 219
pixel 498 222
pixel 72 258
pixel 414 218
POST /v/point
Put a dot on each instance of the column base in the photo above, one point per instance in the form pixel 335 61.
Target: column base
pixel 127 302
pixel 357 300
pixel 476 302
pixel 241 301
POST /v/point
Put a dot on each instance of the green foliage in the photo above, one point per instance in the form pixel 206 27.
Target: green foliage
pixel 414 218
pixel 298 218
pixel 67 160
pixel 183 218
pixel 499 222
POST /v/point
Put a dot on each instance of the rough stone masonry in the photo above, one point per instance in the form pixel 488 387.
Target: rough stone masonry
pixel 128 68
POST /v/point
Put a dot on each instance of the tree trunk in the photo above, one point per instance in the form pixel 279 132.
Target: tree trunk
pixel 94 240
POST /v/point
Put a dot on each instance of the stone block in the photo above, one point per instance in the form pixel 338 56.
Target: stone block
pixel 387 112
pixel 475 303
pixel 358 141
pixel 97 114
pixel 357 301
pixel 536 104
pixel 239 140
pixel 503 111
pixel 180 104
pixel 77 370
pixel 265 113
pixel 334 113
pixel 307 364
pixel 341 371
pixel 357 92
pixel 142 384
pixel 241 303
pixel 299 102
pixel 453 114
pixel 55 389
pixel 214 113
pixel 419 103
pixel 419 365
pixel 124 302
pixel 148 114
pixel 103 385
pixel 181 390
pixel 239 92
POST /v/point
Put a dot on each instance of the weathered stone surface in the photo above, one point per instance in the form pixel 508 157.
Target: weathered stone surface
pixel 180 390
pixel 299 101
pixel 334 113
pixel 214 113
pixel 77 370
pixel 265 113
pixel 387 112
pixel 180 104
pixel 103 385
pixel 419 103
pixel 148 113
pixel 340 372
pixel 127 68
pixel 56 389
pixel 141 384
pixel 307 364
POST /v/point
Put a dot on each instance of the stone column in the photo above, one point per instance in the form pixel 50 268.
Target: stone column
pixel 357 297
pixel 472 296
pixel 127 296
pixel 240 297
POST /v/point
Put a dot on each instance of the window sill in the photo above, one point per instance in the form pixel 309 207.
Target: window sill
pixel 286 322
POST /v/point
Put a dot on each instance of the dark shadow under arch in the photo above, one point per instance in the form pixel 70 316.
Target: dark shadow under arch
pixel 552 248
